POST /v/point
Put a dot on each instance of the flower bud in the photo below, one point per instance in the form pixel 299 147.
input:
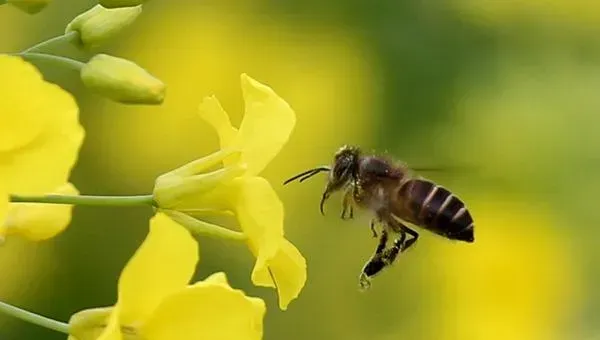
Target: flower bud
pixel 89 324
pixel 29 6
pixel 122 80
pixel 120 3
pixel 100 24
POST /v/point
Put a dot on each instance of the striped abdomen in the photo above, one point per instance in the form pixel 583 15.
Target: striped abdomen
pixel 437 209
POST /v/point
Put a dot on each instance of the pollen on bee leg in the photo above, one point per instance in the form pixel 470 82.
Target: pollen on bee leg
pixel 364 282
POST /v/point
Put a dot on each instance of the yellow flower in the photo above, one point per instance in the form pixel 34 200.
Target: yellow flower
pixel 40 137
pixel 3 204
pixel 517 281
pixel 236 188
pixel 156 303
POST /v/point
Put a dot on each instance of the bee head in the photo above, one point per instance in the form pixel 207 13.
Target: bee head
pixel 343 170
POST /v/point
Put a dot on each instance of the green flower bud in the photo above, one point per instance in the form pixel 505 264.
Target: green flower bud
pixel 100 24
pixel 120 3
pixel 122 80
pixel 29 6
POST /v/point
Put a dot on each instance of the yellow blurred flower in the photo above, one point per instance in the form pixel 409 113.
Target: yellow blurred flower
pixel 267 124
pixel 156 303
pixel 3 203
pixel 29 6
pixel 517 281
pixel 40 137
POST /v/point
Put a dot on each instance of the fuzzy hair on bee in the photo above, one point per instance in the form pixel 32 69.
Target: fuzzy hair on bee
pixel 395 195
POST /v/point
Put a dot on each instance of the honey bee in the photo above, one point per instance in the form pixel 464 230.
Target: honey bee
pixel 395 195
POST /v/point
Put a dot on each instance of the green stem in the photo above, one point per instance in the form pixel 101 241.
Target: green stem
pixel 33 318
pixel 67 37
pixel 64 61
pixel 113 201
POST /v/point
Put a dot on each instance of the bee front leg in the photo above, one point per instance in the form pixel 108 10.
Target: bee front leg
pixel 347 206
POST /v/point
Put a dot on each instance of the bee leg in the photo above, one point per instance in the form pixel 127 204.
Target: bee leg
pixel 373 228
pixel 347 206
pixel 409 242
pixel 401 228
pixel 389 256
pixel 377 262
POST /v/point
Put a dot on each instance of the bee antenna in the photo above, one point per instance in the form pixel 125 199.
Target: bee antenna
pixel 307 174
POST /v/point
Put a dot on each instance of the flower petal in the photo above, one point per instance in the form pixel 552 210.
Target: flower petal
pixel 3 211
pixel 287 269
pixel 20 121
pixel 212 112
pixel 260 215
pixel 40 134
pixel 39 221
pixel 217 278
pixel 163 264
pixel 209 309
pixel 113 328
pixel 266 127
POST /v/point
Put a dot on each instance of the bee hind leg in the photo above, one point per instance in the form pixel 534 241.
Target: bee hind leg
pixel 411 241
pixel 381 259
pixel 390 255
pixel 401 228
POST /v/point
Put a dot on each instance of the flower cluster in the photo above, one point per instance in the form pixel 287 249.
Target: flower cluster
pixel 40 138
pixel 115 78
pixel 155 301
pixel 237 188
pixel 167 261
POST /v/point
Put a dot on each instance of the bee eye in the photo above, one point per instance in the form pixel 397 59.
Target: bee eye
pixel 341 171
pixel 338 171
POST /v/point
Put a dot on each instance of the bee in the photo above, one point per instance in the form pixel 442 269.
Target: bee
pixel 395 195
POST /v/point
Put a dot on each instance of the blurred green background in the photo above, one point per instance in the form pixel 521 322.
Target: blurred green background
pixel 502 93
